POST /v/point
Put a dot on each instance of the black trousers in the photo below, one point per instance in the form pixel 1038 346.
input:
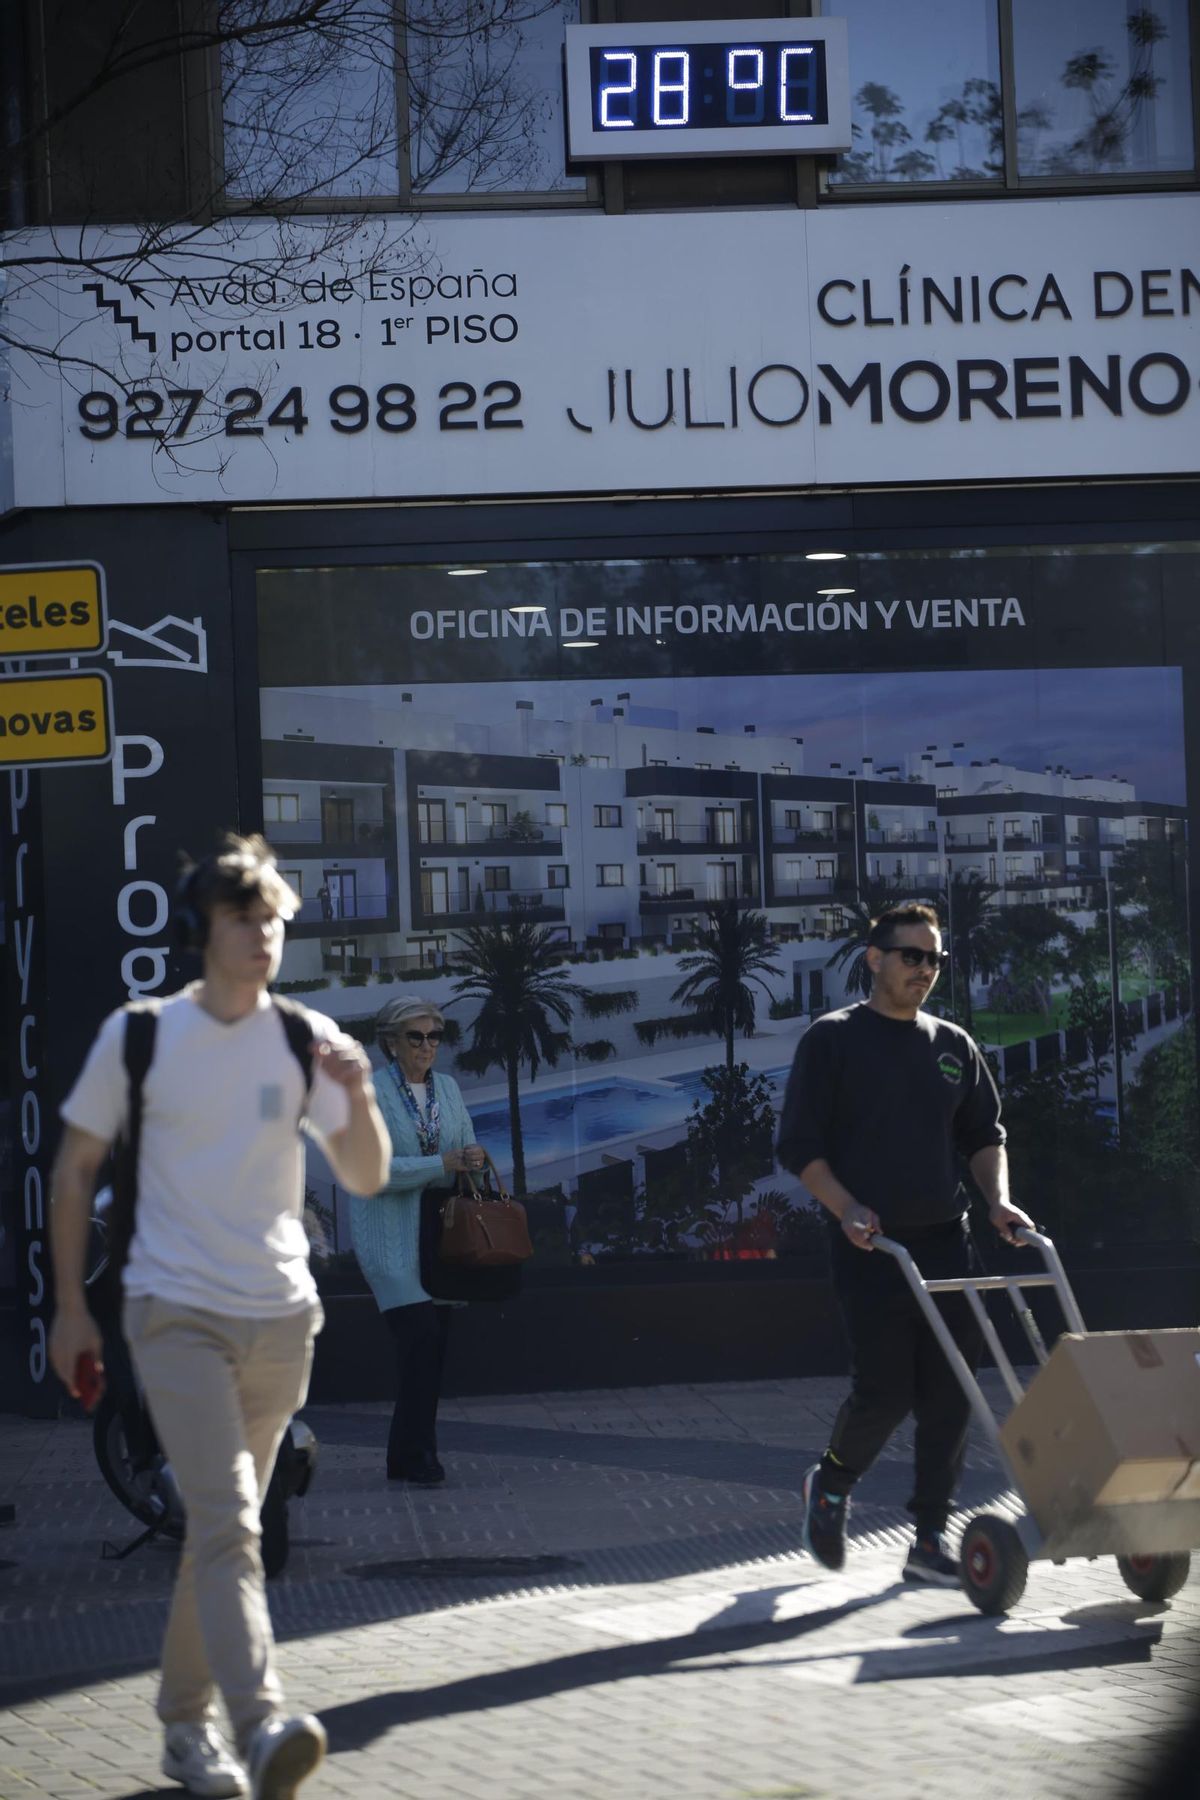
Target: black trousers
pixel 898 1367
pixel 419 1333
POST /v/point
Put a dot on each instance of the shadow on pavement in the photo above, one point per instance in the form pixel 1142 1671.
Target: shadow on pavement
pixel 706 1459
pixel 360 1722
pixel 969 1646
pixel 739 1460
pixel 977 1650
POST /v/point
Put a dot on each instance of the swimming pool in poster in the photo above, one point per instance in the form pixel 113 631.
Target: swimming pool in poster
pixel 564 1121
pixel 561 1123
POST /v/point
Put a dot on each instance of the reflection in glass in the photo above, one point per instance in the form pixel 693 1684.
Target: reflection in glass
pixel 1102 87
pixel 311 109
pixel 503 806
pixel 485 96
pixel 926 102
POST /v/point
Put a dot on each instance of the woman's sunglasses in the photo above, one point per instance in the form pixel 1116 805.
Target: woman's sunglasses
pixel 912 958
pixel 417 1038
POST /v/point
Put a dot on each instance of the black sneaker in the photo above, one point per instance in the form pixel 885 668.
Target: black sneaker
pixel 824 1521
pixel 423 1470
pixel 928 1562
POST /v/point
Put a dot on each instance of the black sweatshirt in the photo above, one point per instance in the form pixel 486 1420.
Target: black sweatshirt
pixel 889 1103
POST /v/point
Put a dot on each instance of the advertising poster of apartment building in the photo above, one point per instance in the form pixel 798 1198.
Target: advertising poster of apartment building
pixel 582 798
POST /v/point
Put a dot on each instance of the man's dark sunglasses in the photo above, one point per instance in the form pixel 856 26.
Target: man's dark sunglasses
pixel 417 1038
pixel 912 958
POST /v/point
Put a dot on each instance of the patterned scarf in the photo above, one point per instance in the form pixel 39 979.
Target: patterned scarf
pixel 429 1123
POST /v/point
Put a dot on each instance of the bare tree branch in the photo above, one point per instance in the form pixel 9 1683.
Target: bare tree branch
pixel 314 146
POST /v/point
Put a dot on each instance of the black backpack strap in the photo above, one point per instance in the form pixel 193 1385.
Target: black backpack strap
pixel 137 1053
pixel 298 1030
pixel 141 1029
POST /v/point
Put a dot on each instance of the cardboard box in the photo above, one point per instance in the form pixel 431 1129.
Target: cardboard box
pixel 1112 1419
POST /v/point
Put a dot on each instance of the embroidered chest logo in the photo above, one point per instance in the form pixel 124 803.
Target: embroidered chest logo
pixel 950 1067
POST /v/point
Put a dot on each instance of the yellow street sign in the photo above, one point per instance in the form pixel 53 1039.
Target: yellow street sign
pixel 52 609
pixel 52 720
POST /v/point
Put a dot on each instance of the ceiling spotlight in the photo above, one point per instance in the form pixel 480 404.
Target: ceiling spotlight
pixel 466 571
pixel 582 644
pixel 825 556
pixel 830 592
pixel 517 609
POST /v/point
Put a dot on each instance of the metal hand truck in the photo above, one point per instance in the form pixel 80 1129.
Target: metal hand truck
pixel 996 1552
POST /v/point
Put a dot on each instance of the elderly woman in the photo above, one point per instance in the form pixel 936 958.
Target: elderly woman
pixel 432 1139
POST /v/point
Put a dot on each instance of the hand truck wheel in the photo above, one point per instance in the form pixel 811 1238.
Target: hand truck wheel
pixel 1155 1577
pixel 994 1563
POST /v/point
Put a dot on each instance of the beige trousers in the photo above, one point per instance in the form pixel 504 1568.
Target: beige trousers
pixel 221 1391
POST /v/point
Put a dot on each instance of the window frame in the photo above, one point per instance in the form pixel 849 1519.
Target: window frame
pixel 277 795
pixel 403 198
pixel 600 875
pixel 1010 183
pixel 425 822
pixel 425 889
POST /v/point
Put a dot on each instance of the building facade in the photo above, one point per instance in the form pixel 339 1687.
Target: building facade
pixel 526 535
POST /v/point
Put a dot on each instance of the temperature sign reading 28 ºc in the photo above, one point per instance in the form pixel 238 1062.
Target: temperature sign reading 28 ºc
pixel 718 88
pixel 708 85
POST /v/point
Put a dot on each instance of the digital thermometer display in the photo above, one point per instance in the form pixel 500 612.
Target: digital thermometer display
pixel 708 87
pixel 725 87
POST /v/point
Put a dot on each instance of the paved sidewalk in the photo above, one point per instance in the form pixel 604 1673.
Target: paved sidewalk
pixel 607 1599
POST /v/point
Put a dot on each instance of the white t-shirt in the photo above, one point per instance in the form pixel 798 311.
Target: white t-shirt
pixel 221 1170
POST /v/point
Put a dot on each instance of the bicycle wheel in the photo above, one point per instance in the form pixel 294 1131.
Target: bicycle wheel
pixel 138 1488
pixel 276 1540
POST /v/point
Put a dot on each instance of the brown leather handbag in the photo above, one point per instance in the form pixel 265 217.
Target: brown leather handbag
pixel 482 1228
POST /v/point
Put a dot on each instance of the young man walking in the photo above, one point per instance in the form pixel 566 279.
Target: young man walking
pixel 882 1100
pixel 220 1307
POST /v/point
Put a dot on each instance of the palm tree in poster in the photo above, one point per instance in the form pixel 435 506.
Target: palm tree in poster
pixel 734 952
pixel 973 932
pixel 514 969
pixel 858 916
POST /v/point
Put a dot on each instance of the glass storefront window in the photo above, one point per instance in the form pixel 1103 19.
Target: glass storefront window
pixel 485 97
pixel 1001 733
pixel 1102 87
pixel 381 102
pixel 926 100
pixel 311 112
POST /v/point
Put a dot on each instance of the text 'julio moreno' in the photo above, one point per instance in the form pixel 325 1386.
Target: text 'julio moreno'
pixel 918 391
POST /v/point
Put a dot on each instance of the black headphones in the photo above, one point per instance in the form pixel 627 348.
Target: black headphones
pixel 189 923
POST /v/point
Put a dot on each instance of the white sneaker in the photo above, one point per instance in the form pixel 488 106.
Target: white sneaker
pixel 198 1756
pixel 281 1753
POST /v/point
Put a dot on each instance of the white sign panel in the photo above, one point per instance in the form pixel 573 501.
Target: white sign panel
pixel 589 354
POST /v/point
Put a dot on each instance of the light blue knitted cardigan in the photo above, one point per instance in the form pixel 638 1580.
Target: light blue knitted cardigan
pixel 384 1229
